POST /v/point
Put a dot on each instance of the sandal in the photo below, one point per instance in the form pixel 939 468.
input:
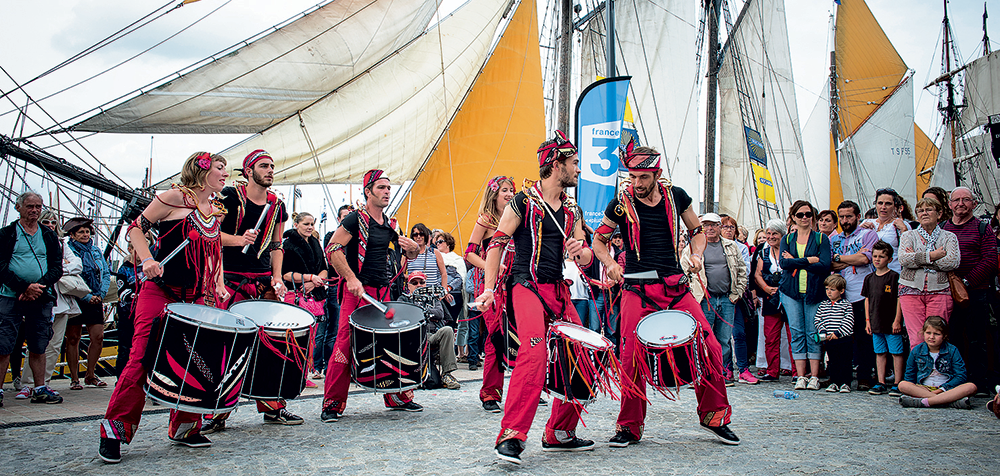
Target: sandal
pixel 95 382
pixel 75 385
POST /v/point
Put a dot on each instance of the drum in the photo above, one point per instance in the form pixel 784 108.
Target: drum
pixel 669 347
pixel 280 356
pixel 578 364
pixel 201 356
pixel 389 355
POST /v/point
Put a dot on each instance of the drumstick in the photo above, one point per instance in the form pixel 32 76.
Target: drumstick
pixel 260 221
pixel 552 214
pixel 192 235
pixel 381 307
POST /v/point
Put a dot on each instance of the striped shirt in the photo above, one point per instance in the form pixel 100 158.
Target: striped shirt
pixel 978 252
pixel 426 262
pixel 836 317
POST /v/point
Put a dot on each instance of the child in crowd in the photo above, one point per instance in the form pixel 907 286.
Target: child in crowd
pixel 835 325
pixel 935 372
pixel 884 318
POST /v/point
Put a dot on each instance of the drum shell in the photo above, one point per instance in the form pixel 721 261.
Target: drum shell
pixel 272 377
pixel 199 367
pixel 389 359
pixel 669 364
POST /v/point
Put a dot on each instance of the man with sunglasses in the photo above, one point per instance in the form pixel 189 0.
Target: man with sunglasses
pixel 255 274
pixel 359 251
pixel 977 269
pixel 30 265
pixel 439 336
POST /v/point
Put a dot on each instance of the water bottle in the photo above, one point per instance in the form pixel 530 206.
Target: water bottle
pixel 786 394
pixel 819 337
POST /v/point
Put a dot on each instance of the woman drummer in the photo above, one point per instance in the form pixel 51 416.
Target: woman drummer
pixel 187 211
pixel 499 192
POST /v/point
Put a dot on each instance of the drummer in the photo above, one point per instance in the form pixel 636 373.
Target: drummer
pixel 192 276
pixel 255 274
pixel 646 212
pixel 539 294
pixel 359 251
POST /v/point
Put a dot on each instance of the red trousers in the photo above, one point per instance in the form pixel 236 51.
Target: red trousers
pixel 713 402
pixel 249 291
pixel 128 399
pixel 528 378
pixel 492 375
pixel 772 342
pixel 338 370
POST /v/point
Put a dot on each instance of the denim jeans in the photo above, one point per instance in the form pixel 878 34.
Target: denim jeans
pixel 802 321
pixel 740 338
pixel 326 331
pixel 720 317
pixel 587 311
pixel 475 342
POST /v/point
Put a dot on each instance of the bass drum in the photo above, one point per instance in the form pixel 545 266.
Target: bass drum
pixel 389 355
pixel 201 357
pixel 281 354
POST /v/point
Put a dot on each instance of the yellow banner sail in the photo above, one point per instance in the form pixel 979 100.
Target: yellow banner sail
pixel 926 157
pixel 496 132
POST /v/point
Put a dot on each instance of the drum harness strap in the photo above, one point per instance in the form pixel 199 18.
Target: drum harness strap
pixel 639 289
pixel 531 286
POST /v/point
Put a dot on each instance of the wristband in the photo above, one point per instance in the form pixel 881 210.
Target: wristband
pixel 144 261
pixel 698 255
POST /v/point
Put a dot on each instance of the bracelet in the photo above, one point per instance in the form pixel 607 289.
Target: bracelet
pixel 145 260
pixel 698 255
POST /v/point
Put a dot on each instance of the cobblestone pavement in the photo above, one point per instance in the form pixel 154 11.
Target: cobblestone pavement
pixel 819 433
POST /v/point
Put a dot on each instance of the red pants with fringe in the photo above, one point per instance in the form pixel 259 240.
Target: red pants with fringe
pixel 713 402
pixel 492 375
pixel 528 378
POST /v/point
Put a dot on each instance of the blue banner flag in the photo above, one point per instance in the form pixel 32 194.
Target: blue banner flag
pixel 599 113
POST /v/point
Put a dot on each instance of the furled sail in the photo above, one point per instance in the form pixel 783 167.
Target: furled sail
pixel 655 39
pixel 496 132
pixel 982 91
pixel 762 167
pixel 819 152
pixel 881 153
pixel 268 80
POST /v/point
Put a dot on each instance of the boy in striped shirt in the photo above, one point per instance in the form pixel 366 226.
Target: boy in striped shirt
pixel 835 328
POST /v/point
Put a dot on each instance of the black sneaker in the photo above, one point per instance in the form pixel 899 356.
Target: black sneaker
pixel 492 406
pixel 575 444
pixel 878 389
pixel 542 402
pixel 196 440
pixel 473 366
pixel 282 417
pixel 510 450
pixel 408 407
pixel 723 433
pixel 330 415
pixel 45 395
pixel 1 397
pixel 622 439
pixel 110 450
pixel 767 378
pixel 214 425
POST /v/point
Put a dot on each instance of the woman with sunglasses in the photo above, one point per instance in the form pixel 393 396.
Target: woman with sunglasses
pixel 429 261
pixel 805 261
pixel 889 222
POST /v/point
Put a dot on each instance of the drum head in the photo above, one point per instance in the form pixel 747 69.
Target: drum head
pixel 274 315
pixel 211 317
pixel 581 334
pixel 666 328
pixel 407 316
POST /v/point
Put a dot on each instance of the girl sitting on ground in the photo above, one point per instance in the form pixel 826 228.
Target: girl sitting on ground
pixel 935 372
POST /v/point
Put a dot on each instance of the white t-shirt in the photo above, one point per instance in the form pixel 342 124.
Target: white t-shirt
pixel 935 379
pixel 890 234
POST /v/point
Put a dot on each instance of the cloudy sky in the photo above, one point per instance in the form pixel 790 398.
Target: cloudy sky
pixel 39 34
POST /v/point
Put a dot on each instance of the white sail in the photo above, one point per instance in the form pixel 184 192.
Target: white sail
pixel 881 153
pixel 816 149
pixel 982 91
pixel 760 45
pixel 656 47
pixel 267 81
pixel 944 169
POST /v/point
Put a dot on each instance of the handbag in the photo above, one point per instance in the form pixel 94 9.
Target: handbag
pixel 958 292
pixel 305 301
pixel 72 285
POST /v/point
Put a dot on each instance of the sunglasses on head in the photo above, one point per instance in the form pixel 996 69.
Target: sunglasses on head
pixel 804 215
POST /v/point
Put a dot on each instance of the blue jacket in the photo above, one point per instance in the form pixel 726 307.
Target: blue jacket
pixel 949 362
pixel 819 246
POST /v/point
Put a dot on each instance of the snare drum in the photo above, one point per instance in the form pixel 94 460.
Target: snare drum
pixel 667 340
pixel 202 355
pixel 578 360
pixel 389 355
pixel 281 353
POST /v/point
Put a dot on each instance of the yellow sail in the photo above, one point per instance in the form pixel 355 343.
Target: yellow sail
pixel 868 66
pixel 836 189
pixel 926 156
pixel 495 132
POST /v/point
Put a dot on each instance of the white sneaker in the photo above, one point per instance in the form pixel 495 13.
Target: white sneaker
pixel 24 394
pixel 800 383
pixel 833 388
pixel 813 383
pixel 845 388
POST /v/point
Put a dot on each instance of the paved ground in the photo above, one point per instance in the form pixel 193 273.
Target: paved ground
pixel 819 433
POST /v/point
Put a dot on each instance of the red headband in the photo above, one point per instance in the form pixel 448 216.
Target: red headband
pixel 373 176
pixel 251 160
pixel 640 162
pixel 561 146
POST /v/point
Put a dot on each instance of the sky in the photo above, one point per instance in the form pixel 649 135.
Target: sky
pixel 39 34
